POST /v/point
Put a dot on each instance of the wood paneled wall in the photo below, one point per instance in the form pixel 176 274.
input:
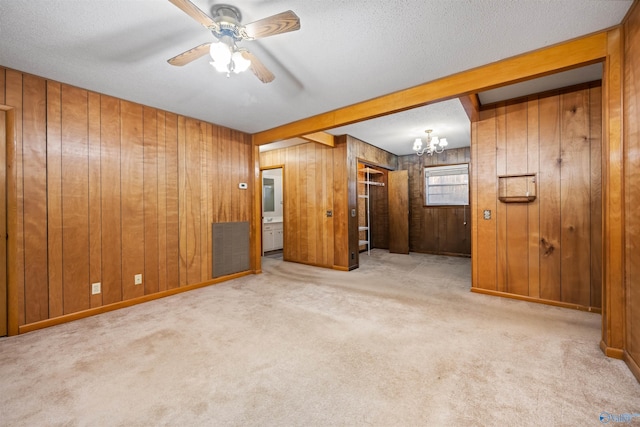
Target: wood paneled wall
pixel 440 230
pixel 308 195
pixel 632 186
pixel 551 248
pixel 107 189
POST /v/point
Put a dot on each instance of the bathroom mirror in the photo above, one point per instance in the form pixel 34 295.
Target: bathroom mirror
pixel 268 195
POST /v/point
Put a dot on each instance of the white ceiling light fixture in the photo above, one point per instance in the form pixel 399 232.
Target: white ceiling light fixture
pixel 228 57
pixel 433 145
pixel 227 31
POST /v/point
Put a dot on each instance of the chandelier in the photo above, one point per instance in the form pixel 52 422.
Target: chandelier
pixel 433 145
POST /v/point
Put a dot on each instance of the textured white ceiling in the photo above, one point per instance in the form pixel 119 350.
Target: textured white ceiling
pixel 396 132
pixel 346 51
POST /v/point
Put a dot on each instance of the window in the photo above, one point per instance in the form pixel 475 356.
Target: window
pixel 446 185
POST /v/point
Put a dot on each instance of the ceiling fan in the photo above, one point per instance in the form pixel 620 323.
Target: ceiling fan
pixel 228 31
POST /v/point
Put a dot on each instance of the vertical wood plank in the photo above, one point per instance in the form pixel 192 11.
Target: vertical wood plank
pixel 549 196
pixel 309 195
pixel 225 175
pixel 292 245
pixel 162 202
pixel 517 241
pixel 150 200
pixel 474 205
pixel 192 200
pixel 34 179
pixel 131 116
pixel 501 208
pixel 110 175
pixel 4 288
pixel 172 210
pixel 13 94
pixel 632 185
pixel 234 173
pixel 75 200
pixel 212 136
pixel 205 230
pixel 95 196
pixel 182 200
pixel 3 78
pixel 613 321
pixel 595 108
pixel 303 212
pixel 533 214
pixel 340 204
pixel 487 229
pixel 216 189
pixel 575 199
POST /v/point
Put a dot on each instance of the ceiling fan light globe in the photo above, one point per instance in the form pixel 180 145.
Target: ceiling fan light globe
pixel 220 53
pixel 240 63
pixel 220 67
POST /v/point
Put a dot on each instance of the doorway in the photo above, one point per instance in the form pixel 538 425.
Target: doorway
pixel 273 212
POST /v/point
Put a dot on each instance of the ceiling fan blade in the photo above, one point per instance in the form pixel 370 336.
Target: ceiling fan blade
pixel 190 55
pixel 193 11
pixel 276 24
pixel 258 67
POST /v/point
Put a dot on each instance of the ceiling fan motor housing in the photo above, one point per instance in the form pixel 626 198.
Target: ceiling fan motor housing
pixel 228 19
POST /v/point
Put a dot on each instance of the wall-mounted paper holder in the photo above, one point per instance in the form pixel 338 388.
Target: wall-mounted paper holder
pixel 517 188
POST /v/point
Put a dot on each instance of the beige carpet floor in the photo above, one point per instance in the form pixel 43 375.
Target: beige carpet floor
pixel 398 342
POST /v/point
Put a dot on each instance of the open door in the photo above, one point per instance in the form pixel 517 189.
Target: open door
pixel 399 212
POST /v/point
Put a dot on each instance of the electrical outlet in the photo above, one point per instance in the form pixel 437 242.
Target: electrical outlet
pixel 95 288
pixel 137 279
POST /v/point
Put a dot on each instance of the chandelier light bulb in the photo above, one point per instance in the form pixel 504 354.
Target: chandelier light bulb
pixel 433 144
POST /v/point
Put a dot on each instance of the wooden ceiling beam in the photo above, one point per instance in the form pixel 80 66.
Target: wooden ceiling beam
pixel 321 138
pixel 585 50
pixel 471 105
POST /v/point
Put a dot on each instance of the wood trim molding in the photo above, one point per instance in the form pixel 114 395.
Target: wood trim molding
pixel 633 366
pixel 256 223
pixel 613 298
pixel 536 300
pixel 615 353
pixel 127 303
pixel 563 56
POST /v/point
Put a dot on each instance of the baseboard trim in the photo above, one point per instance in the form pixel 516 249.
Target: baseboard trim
pixel 537 300
pixel 633 366
pixel 123 304
pixel 614 353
